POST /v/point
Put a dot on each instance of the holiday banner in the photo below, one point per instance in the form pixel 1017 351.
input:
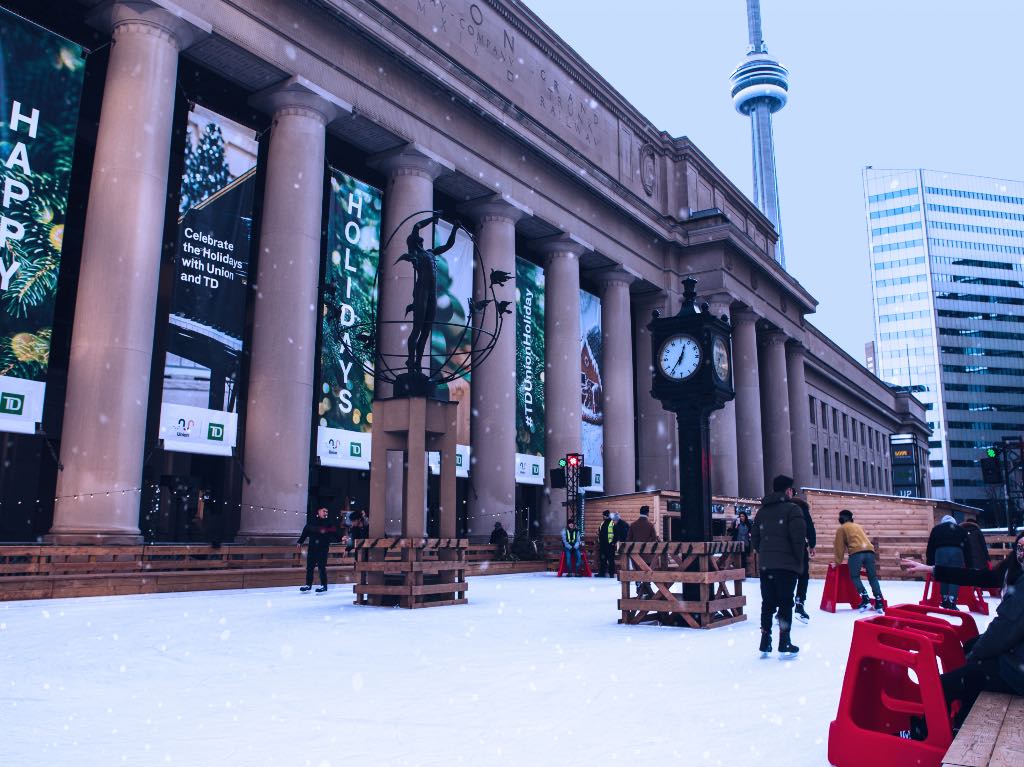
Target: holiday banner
pixel 41 76
pixel 529 330
pixel 199 406
pixel 451 342
pixel 591 389
pixel 345 407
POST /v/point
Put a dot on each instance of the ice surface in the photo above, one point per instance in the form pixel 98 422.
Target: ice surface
pixel 534 671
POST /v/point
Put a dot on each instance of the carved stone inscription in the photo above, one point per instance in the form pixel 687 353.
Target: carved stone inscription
pixel 478 38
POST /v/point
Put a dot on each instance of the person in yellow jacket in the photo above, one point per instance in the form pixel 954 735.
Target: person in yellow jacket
pixel 850 537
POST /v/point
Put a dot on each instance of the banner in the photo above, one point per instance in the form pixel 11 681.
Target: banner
pixel 450 341
pixel 529 330
pixel 199 406
pixel 591 389
pixel 345 407
pixel 41 76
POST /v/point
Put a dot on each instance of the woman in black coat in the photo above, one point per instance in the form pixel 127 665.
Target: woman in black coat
pixel 995 660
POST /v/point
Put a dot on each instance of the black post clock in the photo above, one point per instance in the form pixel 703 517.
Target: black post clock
pixel 692 378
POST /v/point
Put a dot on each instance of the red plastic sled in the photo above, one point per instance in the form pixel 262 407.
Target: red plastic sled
pixel 584 566
pixel 839 589
pixel 971 597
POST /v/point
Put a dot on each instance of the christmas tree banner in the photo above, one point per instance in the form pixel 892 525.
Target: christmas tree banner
pixel 199 406
pixel 41 78
pixel 450 342
pixel 345 405
pixel 592 426
pixel 529 330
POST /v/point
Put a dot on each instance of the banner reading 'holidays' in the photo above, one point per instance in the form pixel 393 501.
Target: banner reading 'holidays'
pixel 529 330
pixel 591 388
pixel 41 76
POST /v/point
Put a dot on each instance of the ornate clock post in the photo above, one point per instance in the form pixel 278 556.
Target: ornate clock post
pixel 692 378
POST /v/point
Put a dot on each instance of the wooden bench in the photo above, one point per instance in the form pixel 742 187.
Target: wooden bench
pixel 992 736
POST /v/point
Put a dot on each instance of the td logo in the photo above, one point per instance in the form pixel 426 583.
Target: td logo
pixel 535 469
pixel 215 432
pixel 355 449
pixel 458 459
pixel 12 404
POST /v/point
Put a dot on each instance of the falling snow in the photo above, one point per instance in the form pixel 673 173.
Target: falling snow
pixel 534 670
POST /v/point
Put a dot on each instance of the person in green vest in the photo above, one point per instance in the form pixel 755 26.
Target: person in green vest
pixel 572 545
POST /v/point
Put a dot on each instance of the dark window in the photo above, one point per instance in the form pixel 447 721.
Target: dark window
pixel 863 440
pixel 828 471
pixel 814 456
pixel 846 462
pixel 824 416
pixel 846 426
pixel 856 472
pixel 839 476
pixel 864 472
pixel 835 420
pixel 874 484
pixel 886 486
pixel 811 401
pixel 853 428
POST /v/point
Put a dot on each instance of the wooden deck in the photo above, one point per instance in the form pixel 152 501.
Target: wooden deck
pixel 45 571
pixel 992 736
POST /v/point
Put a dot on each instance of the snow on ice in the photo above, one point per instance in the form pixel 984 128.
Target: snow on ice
pixel 534 671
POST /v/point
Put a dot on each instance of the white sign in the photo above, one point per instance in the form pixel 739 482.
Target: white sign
pixel 21 404
pixel 197 429
pixel 343 448
pixel 529 469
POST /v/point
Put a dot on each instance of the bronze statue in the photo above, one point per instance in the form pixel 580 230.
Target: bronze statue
pixel 424 291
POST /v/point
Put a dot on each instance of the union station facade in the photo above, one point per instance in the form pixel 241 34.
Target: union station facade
pixel 473 109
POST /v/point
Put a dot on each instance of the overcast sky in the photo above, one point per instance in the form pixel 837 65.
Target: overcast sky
pixel 888 83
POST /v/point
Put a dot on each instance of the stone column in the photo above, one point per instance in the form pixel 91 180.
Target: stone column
pixel 749 454
pixel 562 398
pixel 658 469
pixel 408 198
pixel 493 390
pixel 103 439
pixel 775 418
pixel 282 368
pixel 617 380
pixel 724 464
pixel 799 413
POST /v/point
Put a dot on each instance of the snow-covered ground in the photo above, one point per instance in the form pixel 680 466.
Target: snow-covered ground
pixel 534 671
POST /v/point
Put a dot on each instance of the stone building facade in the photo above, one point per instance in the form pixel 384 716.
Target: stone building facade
pixel 476 109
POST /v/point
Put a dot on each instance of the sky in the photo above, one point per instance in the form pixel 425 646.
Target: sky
pixel 886 83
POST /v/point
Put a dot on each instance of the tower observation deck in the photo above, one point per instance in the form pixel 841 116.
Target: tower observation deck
pixel 760 87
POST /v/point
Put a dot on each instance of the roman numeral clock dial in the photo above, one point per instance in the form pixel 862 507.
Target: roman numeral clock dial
pixel 679 358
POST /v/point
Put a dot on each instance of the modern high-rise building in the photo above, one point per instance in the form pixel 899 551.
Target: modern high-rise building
pixel 947 276
pixel 760 87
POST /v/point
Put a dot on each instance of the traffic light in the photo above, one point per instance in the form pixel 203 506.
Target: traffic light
pixel 991 471
pixel 991 453
pixel 561 462
pixel 575 460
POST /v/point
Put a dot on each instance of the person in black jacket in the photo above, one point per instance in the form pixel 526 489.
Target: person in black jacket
pixel 947 545
pixel 995 660
pixel 499 539
pixel 606 546
pixel 779 537
pixel 358 527
pixel 805 574
pixel 321 534
pixel 975 545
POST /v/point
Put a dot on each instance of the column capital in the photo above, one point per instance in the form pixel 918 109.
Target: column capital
pixel 562 246
pixel 720 304
pixel 411 160
pixel 773 338
pixel 795 348
pixel 161 18
pixel 618 275
pixel 297 95
pixel 497 207
pixel 744 316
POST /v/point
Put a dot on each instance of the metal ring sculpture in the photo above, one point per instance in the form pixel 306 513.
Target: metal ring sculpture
pixel 482 328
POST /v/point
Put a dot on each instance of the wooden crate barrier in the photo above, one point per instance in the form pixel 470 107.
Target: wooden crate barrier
pixel 707 567
pixel 411 572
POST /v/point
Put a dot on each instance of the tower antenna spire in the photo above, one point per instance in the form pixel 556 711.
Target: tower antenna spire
pixel 760 87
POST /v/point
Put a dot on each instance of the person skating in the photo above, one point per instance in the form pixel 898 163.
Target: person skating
pixel 805 574
pixel 572 545
pixel 606 546
pixel 779 538
pixel 741 534
pixel 499 539
pixel 975 545
pixel 321 533
pixel 947 545
pixel 995 659
pixel 850 537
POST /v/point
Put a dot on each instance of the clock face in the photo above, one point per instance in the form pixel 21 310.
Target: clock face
pixel 720 358
pixel 679 357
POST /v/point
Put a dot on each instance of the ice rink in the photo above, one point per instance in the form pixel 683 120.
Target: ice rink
pixel 534 671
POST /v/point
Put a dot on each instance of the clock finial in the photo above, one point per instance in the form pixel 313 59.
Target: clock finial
pixel 689 290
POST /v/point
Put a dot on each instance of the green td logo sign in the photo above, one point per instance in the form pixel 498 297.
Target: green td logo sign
pixel 355 449
pixel 215 432
pixel 12 404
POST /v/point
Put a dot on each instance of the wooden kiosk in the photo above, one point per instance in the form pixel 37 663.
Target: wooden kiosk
pixel 412 570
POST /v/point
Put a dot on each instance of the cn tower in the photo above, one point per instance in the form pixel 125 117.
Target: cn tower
pixel 760 87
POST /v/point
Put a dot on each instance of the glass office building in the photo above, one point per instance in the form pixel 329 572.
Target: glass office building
pixel 947 276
